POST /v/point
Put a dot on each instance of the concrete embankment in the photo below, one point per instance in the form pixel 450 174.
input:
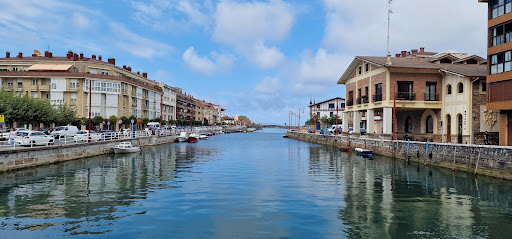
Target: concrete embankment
pixel 29 157
pixel 487 160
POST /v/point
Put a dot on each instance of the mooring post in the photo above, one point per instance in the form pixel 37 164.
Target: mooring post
pixel 478 160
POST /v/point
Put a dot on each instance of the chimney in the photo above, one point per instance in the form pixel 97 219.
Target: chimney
pixel 7 54
pixel 112 61
pixel 50 54
pixel 397 55
pixel 129 68
pixel 70 54
pixel 81 56
pixel 45 53
pixel 145 74
pixel 99 58
pixel 20 54
pixel 138 73
pixel 404 53
pixel 124 67
pixel 34 54
pixel 75 57
pixel 93 57
pixel 422 49
pixel 414 51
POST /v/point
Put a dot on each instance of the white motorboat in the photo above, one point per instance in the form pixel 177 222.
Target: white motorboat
pixel 251 129
pixel 363 151
pixel 204 136
pixel 193 138
pixel 183 137
pixel 126 147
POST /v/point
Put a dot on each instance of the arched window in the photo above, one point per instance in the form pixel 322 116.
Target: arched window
pixel 408 124
pixel 449 89
pixel 430 124
pixel 460 87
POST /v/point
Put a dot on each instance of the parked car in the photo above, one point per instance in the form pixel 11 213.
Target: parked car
pixel 311 131
pixel 28 138
pixel 108 134
pixel 83 135
pixel 64 131
pixel 333 128
pixel 5 134
pixel 325 131
pixel 362 130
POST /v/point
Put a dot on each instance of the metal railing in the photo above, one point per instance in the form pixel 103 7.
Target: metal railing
pixel 406 95
pixel 350 102
pixel 358 101
pixel 431 97
pixel 377 97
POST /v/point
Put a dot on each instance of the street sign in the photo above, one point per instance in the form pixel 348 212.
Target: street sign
pixel 2 120
pixel 119 122
pixel 133 121
pixel 139 121
pixel 108 122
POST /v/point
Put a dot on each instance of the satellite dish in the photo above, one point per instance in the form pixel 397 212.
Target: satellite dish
pixel 37 52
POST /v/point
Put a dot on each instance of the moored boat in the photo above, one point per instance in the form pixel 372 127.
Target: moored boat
pixel 203 136
pixel 183 137
pixel 126 147
pixel 193 138
pixel 251 129
pixel 344 148
pixel 363 151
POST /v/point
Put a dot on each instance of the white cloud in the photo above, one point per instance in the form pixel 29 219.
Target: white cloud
pixel 205 65
pixel 435 24
pixel 268 86
pixel 137 45
pixel 80 21
pixel 250 27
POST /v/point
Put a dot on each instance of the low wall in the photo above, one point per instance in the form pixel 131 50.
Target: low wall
pixel 29 157
pixel 487 160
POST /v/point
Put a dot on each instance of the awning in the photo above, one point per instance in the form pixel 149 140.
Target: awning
pixel 49 67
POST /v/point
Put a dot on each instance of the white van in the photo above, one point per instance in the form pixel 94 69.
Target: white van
pixel 64 131
pixel 332 129
pixel 154 125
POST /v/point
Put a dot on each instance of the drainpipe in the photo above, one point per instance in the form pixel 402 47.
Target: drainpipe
pixel 442 115
pixel 472 137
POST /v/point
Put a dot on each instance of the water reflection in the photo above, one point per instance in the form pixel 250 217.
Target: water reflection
pixel 84 195
pixel 255 185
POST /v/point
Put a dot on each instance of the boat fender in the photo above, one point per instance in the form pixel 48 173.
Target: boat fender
pixel 430 155
pixel 418 154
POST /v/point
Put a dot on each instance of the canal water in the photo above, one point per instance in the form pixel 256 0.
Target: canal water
pixel 250 185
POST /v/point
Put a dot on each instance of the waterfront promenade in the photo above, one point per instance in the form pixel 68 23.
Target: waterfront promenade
pixel 487 160
pixel 15 158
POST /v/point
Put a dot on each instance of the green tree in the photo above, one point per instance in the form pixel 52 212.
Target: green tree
pixel 145 121
pixel 97 120
pixel 125 120
pixel 66 114
pixel 243 117
pixel 113 119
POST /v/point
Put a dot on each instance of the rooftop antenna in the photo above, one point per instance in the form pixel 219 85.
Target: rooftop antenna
pixel 388 61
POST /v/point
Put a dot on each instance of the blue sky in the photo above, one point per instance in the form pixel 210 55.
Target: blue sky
pixel 255 58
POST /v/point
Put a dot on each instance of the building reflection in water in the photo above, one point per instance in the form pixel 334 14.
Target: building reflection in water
pixel 89 191
pixel 386 198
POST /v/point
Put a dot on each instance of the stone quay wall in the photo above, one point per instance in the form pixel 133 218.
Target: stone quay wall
pixel 20 157
pixel 489 160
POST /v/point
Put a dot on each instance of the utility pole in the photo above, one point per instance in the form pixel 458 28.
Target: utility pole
pixel 394 112
pixel 336 129
pixel 90 100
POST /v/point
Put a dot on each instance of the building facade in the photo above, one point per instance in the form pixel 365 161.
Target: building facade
pixel 499 52
pixel 327 108
pixel 419 95
pixel 115 90
pixel 168 102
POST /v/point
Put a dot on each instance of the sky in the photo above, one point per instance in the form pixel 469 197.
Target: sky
pixel 259 58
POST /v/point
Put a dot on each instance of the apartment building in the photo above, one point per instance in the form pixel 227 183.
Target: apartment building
pixel 168 102
pixel 115 90
pixel 184 107
pixel 499 80
pixel 435 96
pixel 327 108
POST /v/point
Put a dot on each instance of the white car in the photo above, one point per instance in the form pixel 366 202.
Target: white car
pixel 5 135
pixel 64 131
pixel 28 138
pixel 83 135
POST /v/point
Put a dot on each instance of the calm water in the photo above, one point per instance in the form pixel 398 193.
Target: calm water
pixel 250 185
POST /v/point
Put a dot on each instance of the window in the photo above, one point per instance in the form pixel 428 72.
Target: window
pixel 331 105
pixel 430 91
pixel 35 94
pixel 20 83
pixel 408 124
pixel 460 88
pixel 500 7
pixel 34 82
pixel 104 72
pixel 14 68
pixel 378 92
pixel 445 60
pixel 405 90
pixel 449 89
pixel 430 124
pixel 367 67
pixel 484 86
pixel 72 84
pixel 54 86
pixel 501 62
pixel 73 97
pixel 331 114
pixel 360 70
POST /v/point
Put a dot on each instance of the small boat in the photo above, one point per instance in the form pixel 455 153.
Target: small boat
pixel 183 137
pixel 285 136
pixel 251 129
pixel 193 138
pixel 344 148
pixel 363 151
pixel 204 136
pixel 126 147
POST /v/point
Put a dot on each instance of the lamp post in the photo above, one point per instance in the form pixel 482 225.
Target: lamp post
pixel 90 100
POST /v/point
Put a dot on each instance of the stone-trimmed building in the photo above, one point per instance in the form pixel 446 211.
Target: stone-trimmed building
pixel 439 96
